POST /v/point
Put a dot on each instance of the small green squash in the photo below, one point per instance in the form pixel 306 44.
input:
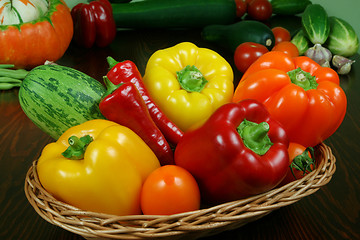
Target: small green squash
pixel 56 98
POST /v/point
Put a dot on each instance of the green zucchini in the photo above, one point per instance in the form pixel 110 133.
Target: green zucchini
pixel 231 36
pixel 56 98
pixel 342 38
pixel 174 13
pixel 316 23
pixel 286 7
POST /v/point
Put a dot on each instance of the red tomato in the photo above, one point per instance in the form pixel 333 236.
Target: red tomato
pixel 246 53
pixel 300 167
pixel 281 34
pixel 168 190
pixel 241 6
pixel 259 9
pixel 287 47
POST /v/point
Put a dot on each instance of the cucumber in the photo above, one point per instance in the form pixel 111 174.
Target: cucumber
pixel 301 42
pixel 174 13
pixel 286 7
pixel 231 36
pixel 56 98
pixel 316 23
pixel 342 39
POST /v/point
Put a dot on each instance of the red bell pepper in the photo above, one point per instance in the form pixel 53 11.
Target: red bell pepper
pixel 239 151
pixel 123 104
pixel 126 71
pixel 93 23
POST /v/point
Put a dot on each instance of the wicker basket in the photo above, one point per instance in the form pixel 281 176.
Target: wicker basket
pixel 190 225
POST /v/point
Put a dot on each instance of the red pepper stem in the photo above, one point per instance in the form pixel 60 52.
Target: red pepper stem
pixel 77 147
pixel 110 87
pixel 254 136
pixel 112 62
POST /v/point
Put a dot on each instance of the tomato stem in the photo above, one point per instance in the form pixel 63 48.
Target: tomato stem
pixel 303 162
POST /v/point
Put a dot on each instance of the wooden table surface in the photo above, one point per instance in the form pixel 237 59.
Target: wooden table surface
pixel 333 212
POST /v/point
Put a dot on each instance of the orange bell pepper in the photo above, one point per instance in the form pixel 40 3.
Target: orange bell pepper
pixel 303 96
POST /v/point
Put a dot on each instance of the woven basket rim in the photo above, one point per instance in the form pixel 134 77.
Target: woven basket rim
pixel 195 224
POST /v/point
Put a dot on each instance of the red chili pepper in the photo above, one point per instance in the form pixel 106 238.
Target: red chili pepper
pixel 126 71
pixel 123 104
pixel 239 151
pixel 93 23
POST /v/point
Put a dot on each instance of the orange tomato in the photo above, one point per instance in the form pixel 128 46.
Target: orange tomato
pixel 169 189
pixel 287 47
pixel 281 34
pixel 301 162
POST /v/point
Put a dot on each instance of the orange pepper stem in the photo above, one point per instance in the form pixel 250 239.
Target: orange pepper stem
pixel 303 79
pixel 254 136
pixel 191 79
pixel 77 147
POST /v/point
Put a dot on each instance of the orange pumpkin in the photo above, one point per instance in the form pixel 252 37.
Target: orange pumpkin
pixel 30 44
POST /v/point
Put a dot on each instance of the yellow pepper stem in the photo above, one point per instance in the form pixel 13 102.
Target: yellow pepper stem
pixel 77 147
pixel 191 79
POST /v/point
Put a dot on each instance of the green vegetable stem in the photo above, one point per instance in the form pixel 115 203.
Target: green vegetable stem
pixel 9 77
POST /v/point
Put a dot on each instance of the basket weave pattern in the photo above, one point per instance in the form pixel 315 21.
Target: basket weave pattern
pixel 190 225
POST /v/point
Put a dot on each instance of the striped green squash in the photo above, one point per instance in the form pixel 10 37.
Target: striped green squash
pixel 56 98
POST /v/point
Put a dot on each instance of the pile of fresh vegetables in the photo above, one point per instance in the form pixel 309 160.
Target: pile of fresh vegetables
pixel 334 39
pixel 183 133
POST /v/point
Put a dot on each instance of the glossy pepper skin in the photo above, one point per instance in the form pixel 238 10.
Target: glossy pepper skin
pixel 93 23
pixel 124 105
pixel 232 158
pixel 127 71
pixel 303 96
pixel 106 176
pixel 188 83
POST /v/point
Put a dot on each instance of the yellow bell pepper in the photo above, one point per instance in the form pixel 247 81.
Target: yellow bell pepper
pixel 105 175
pixel 188 83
